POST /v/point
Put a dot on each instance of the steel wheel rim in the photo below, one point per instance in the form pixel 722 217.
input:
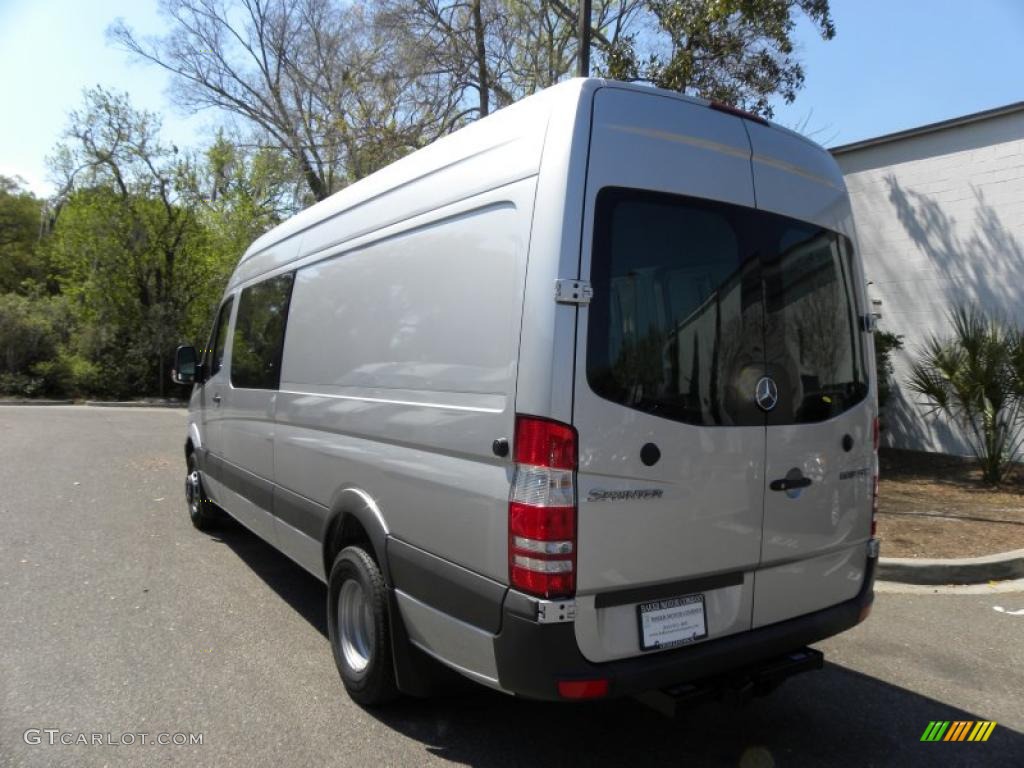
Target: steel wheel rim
pixel 355 625
pixel 192 491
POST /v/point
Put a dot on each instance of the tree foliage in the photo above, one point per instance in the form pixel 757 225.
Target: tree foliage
pixel 32 330
pixel 21 221
pixel 237 192
pixel 138 242
pixel 739 52
pixel 127 246
pixel 886 343
pixel 487 54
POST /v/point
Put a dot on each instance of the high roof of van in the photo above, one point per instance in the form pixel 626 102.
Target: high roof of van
pixel 520 127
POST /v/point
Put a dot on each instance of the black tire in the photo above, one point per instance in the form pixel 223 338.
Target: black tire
pixel 370 681
pixel 201 510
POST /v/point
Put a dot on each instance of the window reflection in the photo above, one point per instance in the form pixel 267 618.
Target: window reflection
pixel 215 354
pixel 814 352
pixel 695 300
pixel 259 334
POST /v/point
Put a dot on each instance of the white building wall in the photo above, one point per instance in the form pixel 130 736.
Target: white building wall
pixel 940 221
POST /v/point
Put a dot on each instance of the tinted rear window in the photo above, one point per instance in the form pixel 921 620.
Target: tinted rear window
pixel 813 341
pixel 694 301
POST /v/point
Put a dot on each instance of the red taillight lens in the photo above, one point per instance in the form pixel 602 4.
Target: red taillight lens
pixel 546 585
pixel 542 509
pixel 546 524
pixel 544 443
pixel 582 689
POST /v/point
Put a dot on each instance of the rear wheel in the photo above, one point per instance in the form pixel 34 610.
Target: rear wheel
pixel 357 622
pixel 200 509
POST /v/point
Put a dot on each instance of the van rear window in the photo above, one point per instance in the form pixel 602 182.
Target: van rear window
pixel 695 300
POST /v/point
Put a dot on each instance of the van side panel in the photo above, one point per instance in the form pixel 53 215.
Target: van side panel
pixel 399 373
pixel 490 153
pixel 247 465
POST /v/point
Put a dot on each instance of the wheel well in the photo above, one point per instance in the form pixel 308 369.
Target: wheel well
pixel 346 531
pixel 189 448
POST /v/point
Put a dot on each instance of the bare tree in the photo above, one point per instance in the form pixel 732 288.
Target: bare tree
pixel 311 75
pixel 452 43
pixel 490 53
pixel 544 38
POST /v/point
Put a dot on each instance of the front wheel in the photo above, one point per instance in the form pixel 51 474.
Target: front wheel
pixel 200 508
pixel 357 623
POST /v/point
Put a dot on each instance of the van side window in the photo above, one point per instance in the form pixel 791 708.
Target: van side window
pixel 259 334
pixel 215 354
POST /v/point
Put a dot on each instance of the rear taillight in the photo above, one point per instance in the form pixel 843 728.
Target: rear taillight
pixel 874 480
pixel 542 509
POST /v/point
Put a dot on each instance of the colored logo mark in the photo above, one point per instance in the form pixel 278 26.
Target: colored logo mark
pixel 958 730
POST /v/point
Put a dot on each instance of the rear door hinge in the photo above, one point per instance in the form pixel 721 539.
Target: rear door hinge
pixel 573 291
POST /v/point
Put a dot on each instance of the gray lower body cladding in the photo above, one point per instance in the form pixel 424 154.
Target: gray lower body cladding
pixel 532 657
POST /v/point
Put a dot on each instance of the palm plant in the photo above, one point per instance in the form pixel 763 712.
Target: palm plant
pixel 975 378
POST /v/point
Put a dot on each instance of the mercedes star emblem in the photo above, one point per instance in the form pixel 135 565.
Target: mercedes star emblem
pixel 766 394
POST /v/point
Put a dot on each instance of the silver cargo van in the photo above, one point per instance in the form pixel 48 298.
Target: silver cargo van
pixel 578 401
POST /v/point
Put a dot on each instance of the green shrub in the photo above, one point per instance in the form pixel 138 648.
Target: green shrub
pixel 84 376
pixel 34 332
pixel 29 331
pixel 68 375
pixel 20 385
pixel 975 378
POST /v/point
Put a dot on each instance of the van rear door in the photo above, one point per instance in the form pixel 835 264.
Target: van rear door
pixel 671 445
pixel 820 458
pixel 725 452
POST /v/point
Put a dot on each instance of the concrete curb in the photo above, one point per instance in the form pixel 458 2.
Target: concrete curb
pixel 37 402
pixel 961 570
pixel 134 404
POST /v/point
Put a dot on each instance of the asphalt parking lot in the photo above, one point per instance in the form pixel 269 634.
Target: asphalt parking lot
pixel 118 617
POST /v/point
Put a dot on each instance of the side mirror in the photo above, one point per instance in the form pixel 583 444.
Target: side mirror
pixel 186 365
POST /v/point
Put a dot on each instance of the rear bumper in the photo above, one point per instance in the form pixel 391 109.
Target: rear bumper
pixel 531 658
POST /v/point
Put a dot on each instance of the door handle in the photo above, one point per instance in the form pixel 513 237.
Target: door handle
pixel 789 483
pixel 216 399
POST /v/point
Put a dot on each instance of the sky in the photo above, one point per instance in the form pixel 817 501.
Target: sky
pixel 893 64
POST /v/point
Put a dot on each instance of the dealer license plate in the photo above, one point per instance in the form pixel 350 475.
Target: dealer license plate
pixel 672 622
